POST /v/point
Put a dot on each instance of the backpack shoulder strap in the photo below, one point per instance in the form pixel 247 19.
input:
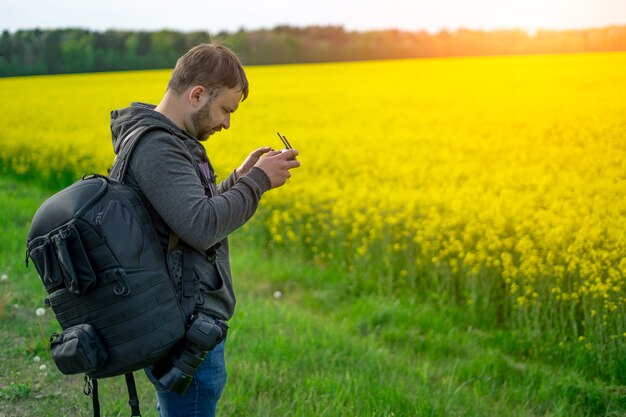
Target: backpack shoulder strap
pixel 128 142
pixel 91 389
pixel 118 172
pixel 188 296
pixel 133 399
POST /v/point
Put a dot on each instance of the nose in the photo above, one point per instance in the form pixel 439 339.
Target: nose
pixel 226 122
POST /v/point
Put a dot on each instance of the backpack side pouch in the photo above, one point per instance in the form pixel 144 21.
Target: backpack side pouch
pixel 78 349
pixel 73 261
pixel 42 252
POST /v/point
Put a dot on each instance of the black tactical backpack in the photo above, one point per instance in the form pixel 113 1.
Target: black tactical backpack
pixel 98 256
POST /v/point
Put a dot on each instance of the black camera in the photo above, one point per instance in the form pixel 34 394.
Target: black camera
pixel 176 371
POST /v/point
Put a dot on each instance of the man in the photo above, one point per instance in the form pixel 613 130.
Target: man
pixel 172 173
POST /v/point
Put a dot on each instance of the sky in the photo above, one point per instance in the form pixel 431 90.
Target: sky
pixel 361 15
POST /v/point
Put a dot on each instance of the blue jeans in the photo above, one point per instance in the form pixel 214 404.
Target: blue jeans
pixel 203 394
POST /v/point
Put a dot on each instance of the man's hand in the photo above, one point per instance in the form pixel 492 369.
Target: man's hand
pixel 276 165
pixel 252 159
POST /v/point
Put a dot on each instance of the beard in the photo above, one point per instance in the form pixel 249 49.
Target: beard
pixel 202 122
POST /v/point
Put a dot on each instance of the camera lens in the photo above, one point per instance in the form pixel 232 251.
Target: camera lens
pixel 175 372
pixel 190 358
pixel 176 381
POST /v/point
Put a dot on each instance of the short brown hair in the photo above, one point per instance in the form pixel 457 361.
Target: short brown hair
pixel 211 66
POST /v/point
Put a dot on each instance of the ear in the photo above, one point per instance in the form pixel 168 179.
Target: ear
pixel 195 96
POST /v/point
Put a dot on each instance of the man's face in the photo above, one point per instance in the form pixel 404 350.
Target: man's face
pixel 215 114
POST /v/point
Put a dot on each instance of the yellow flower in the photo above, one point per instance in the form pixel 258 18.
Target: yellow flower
pixel 509 199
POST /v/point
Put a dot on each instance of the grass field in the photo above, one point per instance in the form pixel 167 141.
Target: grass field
pixel 317 350
pixel 452 245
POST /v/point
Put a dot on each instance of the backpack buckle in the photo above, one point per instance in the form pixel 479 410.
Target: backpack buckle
pixel 121 287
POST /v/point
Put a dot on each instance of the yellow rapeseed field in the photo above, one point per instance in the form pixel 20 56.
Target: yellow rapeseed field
pixel 499 182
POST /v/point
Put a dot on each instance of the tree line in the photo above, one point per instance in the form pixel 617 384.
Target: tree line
pixel 55 51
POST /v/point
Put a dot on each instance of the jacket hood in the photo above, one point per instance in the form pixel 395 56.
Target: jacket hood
pixel 139 114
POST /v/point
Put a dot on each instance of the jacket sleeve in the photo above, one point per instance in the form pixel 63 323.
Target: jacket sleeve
pixel 227 183
pixel 164 173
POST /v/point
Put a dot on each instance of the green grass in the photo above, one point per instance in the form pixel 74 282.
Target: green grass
pixel 320 349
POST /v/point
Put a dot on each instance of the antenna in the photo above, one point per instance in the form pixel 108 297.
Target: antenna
pixel 285 141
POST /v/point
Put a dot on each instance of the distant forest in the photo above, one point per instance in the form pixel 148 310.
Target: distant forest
pixel 55 51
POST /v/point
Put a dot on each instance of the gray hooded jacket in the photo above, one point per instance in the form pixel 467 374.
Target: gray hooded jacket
pixel 182 196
